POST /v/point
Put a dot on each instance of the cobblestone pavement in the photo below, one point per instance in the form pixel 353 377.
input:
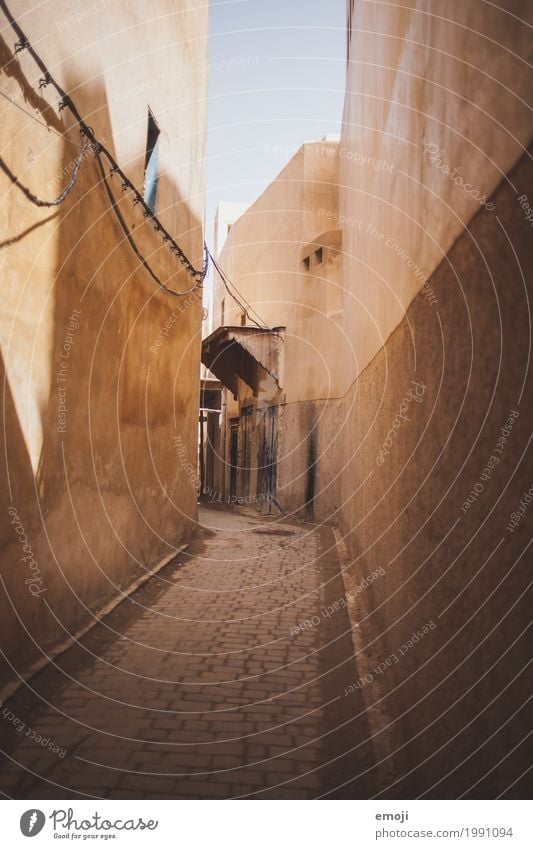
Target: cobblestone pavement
pixel 202 685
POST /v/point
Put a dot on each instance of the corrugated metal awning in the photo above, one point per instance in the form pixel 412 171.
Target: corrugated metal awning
pixel 245 352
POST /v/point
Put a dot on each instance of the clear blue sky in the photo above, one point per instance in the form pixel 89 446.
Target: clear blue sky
pixel 276 79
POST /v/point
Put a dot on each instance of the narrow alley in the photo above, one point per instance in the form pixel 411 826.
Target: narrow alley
pixel 219 678
pixel 266 510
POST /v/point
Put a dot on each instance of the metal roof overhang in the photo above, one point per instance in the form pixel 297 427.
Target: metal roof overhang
pixel 246 352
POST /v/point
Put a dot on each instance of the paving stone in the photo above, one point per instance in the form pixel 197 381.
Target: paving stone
pixel 227 703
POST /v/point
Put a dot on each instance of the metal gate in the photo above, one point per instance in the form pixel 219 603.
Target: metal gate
pixel 268 455
pixel 233 456
pixel 246 449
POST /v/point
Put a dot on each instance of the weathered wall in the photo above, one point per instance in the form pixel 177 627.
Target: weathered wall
pixel 98 489
pixel 264 256
pixel 436 113
pixel 449 556
pixel 423 457
pixel 438 91
pixel 310 465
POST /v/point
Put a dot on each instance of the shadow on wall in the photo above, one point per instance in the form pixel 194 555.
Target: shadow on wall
pixel 110 498
pixel 15 494
pixel 435 509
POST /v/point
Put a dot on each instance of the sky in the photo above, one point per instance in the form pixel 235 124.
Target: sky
pixel 276 80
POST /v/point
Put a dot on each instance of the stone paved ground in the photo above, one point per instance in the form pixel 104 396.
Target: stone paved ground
pixel 196 688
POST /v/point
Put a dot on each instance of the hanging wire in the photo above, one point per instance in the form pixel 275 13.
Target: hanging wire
pixel 61 197
pixel 41 123
pixel 129 237
pixel 66 102
pixel 243 304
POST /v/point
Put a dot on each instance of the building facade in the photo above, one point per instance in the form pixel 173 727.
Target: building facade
pixel 403 412
pixel 434 173
pixel 278 350
pixel 100 364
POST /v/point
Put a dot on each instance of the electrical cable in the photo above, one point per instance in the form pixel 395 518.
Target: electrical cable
pixel 244 305
pixel 131 240
pixel 41 123
pixel 61 197
pixel 66 102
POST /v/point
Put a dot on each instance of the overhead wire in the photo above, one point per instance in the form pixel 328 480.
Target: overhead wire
pixel 99 149
pixel 244 305
pixel 62 195
pixel 144 262
pixel 41 123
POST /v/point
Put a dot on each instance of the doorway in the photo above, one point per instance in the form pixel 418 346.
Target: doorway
pixel 233 456
pixel 268 456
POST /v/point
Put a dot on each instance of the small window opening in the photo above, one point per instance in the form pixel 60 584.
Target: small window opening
pixel 150 162
pixel 306 262
pixel 243 319
pixel 318 256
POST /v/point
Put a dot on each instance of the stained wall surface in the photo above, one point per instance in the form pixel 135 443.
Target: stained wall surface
pixel 437 464
pixel 100 366
pixel 435 493
pixel 436 114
